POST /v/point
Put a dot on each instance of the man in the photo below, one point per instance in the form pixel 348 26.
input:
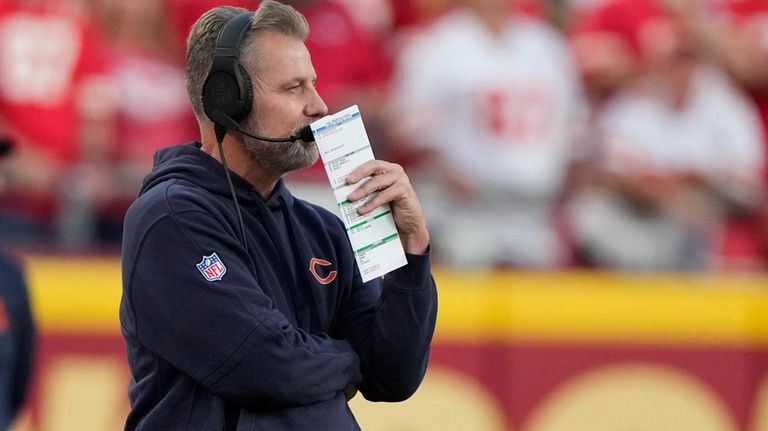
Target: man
pixel 252 314
pixel 17 331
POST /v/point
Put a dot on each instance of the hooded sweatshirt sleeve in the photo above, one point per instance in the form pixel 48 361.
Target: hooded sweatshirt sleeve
pixel 25 348
pixel 225 334
pixel 390 322
pixel 13 289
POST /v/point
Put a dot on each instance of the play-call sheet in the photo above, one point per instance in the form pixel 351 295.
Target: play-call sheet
pixel 344 145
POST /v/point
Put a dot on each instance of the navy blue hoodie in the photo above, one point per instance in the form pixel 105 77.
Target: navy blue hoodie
pixel 17 336
pixel 270 336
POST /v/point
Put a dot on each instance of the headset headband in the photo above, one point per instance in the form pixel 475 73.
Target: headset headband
pixel 232 34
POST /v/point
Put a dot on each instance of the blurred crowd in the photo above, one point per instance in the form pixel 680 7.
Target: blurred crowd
pixel 540 134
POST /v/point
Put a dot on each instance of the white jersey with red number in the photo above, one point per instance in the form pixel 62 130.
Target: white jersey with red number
pixel 499 110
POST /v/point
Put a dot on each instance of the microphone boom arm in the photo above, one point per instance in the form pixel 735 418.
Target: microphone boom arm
pixel 221 120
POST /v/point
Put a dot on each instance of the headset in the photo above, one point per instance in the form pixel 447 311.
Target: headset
pixel 227 90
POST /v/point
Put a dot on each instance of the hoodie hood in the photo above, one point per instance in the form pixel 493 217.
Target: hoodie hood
pixel 187 162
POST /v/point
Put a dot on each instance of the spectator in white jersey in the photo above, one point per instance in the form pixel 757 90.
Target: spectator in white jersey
pixel 488 97
pixel 678 149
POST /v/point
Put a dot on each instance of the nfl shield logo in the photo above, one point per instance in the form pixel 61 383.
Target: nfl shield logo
pixel 212 267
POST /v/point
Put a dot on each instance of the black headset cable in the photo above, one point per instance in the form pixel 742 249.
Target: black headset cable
pixel 221 131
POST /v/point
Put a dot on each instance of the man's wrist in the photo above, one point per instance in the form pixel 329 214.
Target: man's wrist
pixel 416 243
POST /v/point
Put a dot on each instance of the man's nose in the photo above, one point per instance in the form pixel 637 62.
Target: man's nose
pixel 315 107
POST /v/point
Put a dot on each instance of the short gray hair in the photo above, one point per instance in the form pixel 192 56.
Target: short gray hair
pixel 270 16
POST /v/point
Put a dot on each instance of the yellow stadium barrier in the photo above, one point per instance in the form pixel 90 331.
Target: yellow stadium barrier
pixel 531 351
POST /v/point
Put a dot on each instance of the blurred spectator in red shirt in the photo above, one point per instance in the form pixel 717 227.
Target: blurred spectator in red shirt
pixel 606 44
pixel 743 45
pixel 350 63
pixel 51 72
pixel 150 100
pixel 417 13
pixel 147 104
pixel 184 13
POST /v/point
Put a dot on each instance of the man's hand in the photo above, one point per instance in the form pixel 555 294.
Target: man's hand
pixel 393 186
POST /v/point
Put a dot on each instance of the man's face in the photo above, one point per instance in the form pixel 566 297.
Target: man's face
pixel 285 100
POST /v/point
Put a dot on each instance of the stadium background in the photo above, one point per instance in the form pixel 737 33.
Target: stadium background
pixel 570 349
pixel 532 351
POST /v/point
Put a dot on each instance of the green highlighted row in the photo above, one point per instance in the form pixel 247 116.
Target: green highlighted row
pixel 366 221
pixel 377 243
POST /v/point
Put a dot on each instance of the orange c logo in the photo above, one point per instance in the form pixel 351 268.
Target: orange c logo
pixel 322 262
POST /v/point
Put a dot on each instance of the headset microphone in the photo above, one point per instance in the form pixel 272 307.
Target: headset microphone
pixel 224 122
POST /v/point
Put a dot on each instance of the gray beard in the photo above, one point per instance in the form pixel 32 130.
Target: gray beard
pixel 281 157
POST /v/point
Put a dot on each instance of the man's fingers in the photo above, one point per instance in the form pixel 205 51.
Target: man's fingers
pixel 387 183
pixel 369 168
pixel 374 168
pixel 379 199
pixel 375 184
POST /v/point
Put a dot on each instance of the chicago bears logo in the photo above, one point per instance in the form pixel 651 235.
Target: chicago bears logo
pixel 314 263
pixel 212 267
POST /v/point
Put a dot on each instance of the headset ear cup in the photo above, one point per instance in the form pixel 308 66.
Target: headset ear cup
pixel 219 93
pixel 246 103
pixel 227 91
